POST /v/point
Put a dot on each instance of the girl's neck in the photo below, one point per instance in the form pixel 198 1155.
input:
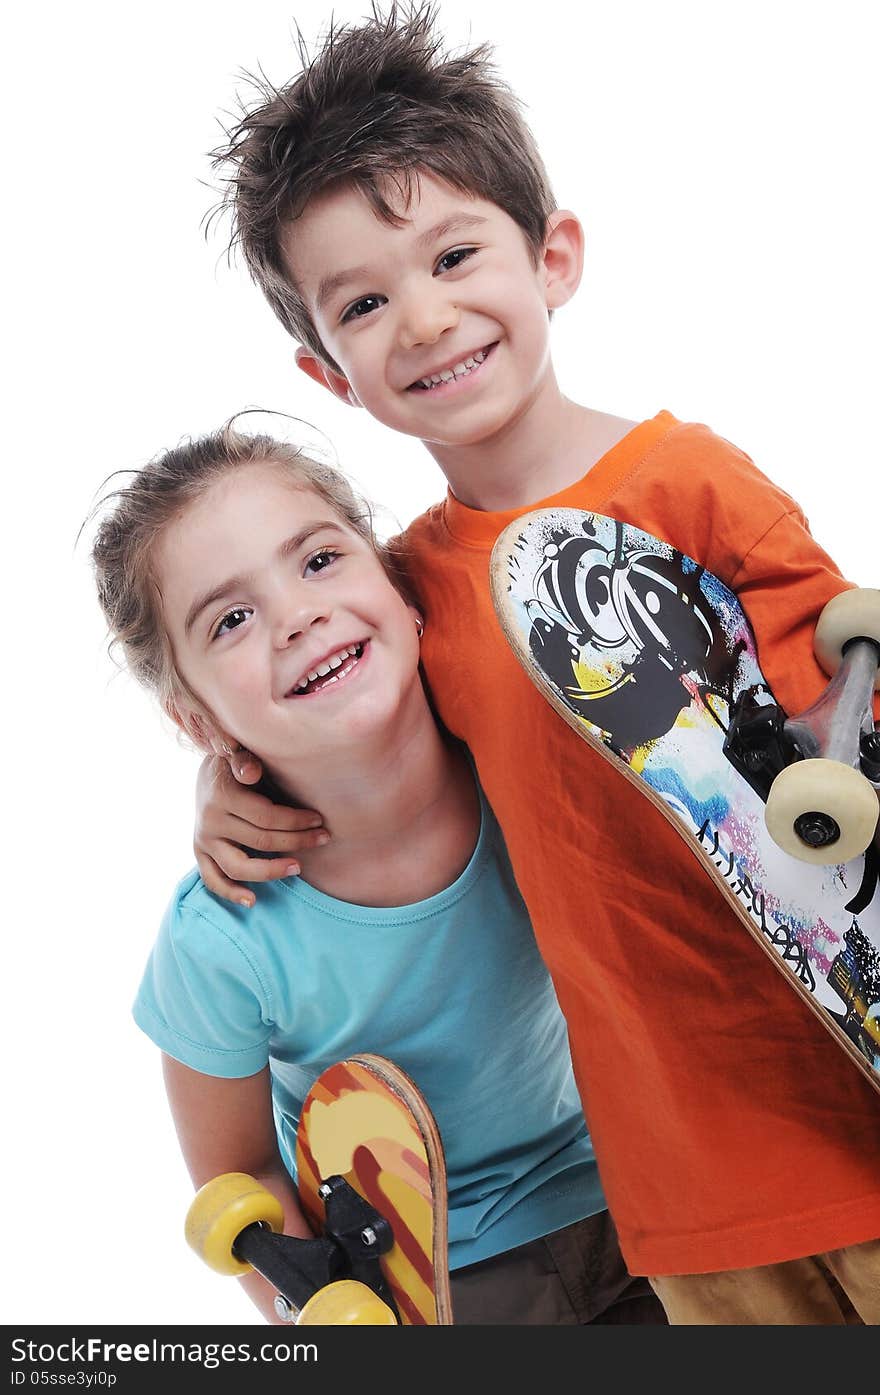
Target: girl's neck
pixel 402 814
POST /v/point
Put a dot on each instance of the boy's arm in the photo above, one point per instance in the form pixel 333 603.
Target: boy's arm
pixel 227 1126
pixel 784 583
pixel 230 817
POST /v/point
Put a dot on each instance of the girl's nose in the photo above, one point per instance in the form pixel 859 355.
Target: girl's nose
pixel 297 618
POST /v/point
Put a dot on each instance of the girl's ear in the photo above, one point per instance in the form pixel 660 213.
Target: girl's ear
pixel 326 376
pixel 201 730
pixel 563 257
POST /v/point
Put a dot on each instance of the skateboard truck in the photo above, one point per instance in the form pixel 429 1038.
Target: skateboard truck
pixel 818 773
pixel 355 1235
pixel 234 1224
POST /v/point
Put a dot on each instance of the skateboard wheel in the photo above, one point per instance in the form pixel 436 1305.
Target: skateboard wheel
pixel 221 1210
pixel 346 1303
pixel 852 614
pixel 808 799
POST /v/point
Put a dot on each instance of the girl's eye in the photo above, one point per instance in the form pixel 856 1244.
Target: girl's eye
pixel 320 561
pixel 450 260
pixel 231 621
pixel 365 306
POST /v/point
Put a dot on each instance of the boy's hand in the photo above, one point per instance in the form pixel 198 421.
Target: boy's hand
pixel 228 815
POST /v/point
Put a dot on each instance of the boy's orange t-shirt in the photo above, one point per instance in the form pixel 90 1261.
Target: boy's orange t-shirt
pixel 729 1129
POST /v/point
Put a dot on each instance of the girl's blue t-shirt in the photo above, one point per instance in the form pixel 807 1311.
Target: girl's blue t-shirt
pixel 452 989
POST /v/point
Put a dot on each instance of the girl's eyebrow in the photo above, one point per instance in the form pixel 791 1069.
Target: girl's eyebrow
pixel 241 582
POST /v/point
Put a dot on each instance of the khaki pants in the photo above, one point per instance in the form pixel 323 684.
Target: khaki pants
pixel 842 1286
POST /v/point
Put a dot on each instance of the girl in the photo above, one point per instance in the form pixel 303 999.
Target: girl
pixel 244 586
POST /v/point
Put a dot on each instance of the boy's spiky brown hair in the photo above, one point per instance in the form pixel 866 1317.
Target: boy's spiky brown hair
pixel 378 103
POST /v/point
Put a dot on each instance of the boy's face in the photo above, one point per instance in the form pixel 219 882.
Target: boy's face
pixel 440 325
pixel 263 584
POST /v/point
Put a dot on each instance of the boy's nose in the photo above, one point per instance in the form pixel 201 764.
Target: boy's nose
pixel 424 318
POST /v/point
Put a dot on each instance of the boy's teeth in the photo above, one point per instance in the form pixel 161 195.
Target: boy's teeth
pixel 459 370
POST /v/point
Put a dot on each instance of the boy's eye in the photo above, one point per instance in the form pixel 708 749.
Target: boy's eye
pixel 231 620
pixel 365 306
pixel 320 561
pixel 450 260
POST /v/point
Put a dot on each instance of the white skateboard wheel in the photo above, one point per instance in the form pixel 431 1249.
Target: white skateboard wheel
pixel 852 614
pixel 823 788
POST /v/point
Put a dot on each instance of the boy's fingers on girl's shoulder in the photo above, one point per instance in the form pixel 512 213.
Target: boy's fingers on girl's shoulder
pixel 256 809
pixel 270 840
pixel 233 864
pixel 221 886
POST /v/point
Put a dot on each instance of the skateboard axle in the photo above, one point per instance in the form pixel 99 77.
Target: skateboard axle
pixel 817 830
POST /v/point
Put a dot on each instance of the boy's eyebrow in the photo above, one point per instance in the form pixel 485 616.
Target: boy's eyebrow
pixel 458 222
pixel 236 583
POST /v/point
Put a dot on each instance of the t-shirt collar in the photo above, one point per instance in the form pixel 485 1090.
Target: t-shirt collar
pixel 480 529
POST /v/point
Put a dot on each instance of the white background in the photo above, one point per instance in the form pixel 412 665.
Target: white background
pixel 723 159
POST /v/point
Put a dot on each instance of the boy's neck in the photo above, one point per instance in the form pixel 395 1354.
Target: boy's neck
pixel 549 446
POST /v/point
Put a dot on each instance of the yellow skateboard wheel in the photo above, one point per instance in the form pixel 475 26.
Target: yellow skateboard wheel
pixel 825 788
pixel 346 1303
pixel 221 1210
pixel 853 614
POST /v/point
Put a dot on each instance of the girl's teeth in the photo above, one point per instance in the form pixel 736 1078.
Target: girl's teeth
pixel 336 661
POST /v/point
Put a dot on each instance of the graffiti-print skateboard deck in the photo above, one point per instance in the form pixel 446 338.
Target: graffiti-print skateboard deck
pixel 366 1121
pixel 645 655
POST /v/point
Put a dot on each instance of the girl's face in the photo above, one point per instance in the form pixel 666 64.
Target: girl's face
pixel 283 621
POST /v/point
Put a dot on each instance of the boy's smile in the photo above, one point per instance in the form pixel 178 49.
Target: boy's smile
pixel 440 323
pixel 452 375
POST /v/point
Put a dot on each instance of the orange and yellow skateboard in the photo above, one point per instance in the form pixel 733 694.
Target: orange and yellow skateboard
pixel 372 1183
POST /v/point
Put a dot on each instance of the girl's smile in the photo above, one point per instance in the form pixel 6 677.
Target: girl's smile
pixel 330 671
pixel 281 618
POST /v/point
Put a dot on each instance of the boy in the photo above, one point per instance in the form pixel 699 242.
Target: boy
pixel 393 208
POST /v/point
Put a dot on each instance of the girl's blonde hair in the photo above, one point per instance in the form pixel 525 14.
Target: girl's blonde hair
pixel 124 546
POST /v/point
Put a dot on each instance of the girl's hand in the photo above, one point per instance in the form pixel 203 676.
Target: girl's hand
pixel 230 818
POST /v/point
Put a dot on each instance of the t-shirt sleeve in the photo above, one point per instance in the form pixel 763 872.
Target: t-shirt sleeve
pixel 202 999
pixel 784 582
pixel 711 501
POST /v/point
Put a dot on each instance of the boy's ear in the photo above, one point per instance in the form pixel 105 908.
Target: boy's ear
pixel 563 259
pixel 328 377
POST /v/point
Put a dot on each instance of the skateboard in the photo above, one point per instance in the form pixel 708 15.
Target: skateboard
pixel 652 662
pixel 371 1179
